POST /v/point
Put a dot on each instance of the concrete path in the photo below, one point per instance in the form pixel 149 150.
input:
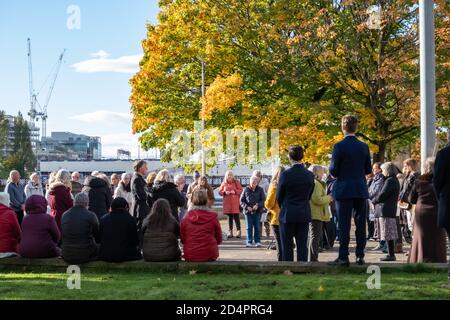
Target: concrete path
pixel 234 250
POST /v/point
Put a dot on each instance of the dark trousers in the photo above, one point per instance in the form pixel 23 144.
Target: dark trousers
pixel 234 217
pixel 276 231
pixel 448 234
pixel 299 231
pixel 19 214
pixel 345 209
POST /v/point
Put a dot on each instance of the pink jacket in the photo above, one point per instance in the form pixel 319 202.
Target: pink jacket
pixel 231 201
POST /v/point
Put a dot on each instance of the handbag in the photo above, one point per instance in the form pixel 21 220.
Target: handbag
pixel 403 205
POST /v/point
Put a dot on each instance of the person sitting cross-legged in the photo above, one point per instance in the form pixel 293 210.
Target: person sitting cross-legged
pixel 80 232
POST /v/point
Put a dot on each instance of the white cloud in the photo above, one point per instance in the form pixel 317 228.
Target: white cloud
pixel 102 54
pixel 101 63
pixel 104 116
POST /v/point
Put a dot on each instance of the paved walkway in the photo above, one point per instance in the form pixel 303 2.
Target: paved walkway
pixel 234 249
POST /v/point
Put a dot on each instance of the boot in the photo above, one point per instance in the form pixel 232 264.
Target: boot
pixel 230 234
pixel 238 234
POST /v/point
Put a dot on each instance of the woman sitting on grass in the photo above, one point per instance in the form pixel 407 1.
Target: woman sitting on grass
pixel 160 234
pixel 201 233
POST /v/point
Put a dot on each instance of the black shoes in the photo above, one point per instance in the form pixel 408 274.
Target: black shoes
pixel 388 258
pixel 360 261
pixel 339 263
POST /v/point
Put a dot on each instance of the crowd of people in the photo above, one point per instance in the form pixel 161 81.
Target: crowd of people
pixel 307 207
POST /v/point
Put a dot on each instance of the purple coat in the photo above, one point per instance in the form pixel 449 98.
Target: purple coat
pixel 40 234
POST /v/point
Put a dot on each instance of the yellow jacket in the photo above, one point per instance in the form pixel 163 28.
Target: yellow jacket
pixel 272 205
pixel 320 201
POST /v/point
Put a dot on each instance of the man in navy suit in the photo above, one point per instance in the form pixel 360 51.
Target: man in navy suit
pixel 350 164
pixel 441 181
pixel 294 191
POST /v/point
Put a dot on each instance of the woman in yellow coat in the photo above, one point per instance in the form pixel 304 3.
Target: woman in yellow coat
pixel 320 211
pixel 274 209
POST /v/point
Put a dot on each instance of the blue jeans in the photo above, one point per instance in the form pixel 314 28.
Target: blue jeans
pixel 253 222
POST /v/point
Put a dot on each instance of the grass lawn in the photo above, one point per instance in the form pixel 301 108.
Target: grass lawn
pixel 114 284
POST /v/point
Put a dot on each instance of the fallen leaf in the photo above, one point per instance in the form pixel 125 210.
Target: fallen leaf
pixel 288 273
pixel 192 272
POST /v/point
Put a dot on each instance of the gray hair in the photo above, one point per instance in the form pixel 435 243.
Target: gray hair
pixel 257 173
pixel 125 175
pixel 4 198
pixel 429 165
pixel 178 177
pixel 81 199
pixel 254 179
pixel 389 168
pixel 315 168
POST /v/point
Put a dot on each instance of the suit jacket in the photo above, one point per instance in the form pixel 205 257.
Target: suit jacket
pixel 350 164
pixel 441 181
pixel 295 189
pixel 139 206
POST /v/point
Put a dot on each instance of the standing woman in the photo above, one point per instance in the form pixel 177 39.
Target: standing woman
pixel 231 190
pixel 429 241
pixel 164 188
pixel 272 206
pixel 410 173
pixel 204 185
pixel 387 200
pixel 60 195
pixel 150 180
pixel 320 212
pixel 34 186
pixel 123 190
pixel 252 202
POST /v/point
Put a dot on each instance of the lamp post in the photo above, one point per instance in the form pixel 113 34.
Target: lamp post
pixel 427 80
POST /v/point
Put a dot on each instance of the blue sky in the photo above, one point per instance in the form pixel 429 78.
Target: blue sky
pixel 91 93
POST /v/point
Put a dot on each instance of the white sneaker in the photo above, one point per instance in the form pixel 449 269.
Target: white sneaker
pixel 249 245
pixel 258 245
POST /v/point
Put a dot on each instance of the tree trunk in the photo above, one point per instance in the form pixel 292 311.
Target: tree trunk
pixel 381 154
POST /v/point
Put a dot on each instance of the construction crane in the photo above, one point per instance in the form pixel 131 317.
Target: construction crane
pixel 36 109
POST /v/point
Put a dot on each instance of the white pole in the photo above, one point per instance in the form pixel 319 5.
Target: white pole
pixel 427 80
pixel 203 121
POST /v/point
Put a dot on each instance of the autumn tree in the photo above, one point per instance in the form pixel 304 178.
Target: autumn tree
pixel 297 66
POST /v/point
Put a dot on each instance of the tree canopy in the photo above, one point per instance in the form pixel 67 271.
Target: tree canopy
pixel 296 66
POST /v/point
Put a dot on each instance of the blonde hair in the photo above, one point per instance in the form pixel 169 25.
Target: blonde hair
pixel 163 175
pixel 63 176
pixel 151 177
pixel 276 175
pixel 411 163
pixel 199 197
pixel 33 175
pixel 52 177
pixel 229 173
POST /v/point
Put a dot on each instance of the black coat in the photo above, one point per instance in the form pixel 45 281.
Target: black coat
pixel 100 197
pixel 250 198
pixel 139 206
pixel 119 239
pixel 168 191
pixel 386 200
pixel 407 186
pixel 441 183
pixel 294 191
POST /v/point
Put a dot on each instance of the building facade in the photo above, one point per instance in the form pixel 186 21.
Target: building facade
pixel 69 146
pixel 34 136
